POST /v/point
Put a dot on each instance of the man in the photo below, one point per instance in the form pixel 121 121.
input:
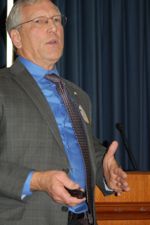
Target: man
pixel 40 155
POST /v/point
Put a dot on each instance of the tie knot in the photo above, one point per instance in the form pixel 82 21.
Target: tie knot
pixel 60 85
pixel 53 77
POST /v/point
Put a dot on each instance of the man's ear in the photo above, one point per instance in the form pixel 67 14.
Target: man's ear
pixel 16 38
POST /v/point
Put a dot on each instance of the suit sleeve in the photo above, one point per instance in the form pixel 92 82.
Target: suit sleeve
pixel 12 178
pixel 100 152
pixel 12 175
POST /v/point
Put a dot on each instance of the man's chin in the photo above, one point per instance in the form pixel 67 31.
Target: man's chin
pixel 54 57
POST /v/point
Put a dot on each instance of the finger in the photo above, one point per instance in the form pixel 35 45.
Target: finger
pixel 116 178
pixel 67 182
pixel 69 200
pixel 72 201
pixel 122 186
pixel 119 173
pixel 120 181
pixel 118 193
pixel 61 195
pixel 117 182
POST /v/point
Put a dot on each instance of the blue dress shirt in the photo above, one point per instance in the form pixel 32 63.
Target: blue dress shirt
pixel 72 149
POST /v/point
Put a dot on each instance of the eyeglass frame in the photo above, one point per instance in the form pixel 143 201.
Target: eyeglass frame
pixel 63 20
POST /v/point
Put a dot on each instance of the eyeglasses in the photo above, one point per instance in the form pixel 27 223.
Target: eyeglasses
pixel 43 20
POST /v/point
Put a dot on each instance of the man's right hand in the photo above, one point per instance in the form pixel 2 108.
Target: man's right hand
pixel 55 183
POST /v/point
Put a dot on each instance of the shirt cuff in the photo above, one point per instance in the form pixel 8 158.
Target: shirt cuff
pixel 106 186
pixel 26 187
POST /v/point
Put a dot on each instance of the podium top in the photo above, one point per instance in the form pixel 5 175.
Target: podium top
pixel 139 183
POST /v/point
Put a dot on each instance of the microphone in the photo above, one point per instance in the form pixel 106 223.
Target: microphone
pixel 120 128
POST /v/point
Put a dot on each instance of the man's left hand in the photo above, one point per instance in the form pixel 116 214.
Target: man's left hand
pixel 115 177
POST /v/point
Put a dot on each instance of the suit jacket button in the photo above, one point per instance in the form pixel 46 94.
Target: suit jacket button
pixel 64 208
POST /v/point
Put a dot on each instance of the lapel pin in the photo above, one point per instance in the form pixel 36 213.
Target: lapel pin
pixel 83 114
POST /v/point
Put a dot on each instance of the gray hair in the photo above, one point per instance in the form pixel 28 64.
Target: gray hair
pixel 15 16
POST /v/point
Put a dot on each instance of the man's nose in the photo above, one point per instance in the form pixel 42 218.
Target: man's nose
pixel 51 24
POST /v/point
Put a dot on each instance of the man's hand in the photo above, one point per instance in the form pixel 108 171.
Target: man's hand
pixel 55 184
pixel 115 177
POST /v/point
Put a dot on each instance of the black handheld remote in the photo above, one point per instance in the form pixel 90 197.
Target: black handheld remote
pixel 76 193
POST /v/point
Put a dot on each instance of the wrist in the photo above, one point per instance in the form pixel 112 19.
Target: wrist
pixel 35 184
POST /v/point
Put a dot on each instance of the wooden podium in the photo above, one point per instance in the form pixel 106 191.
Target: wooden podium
pixel 131 208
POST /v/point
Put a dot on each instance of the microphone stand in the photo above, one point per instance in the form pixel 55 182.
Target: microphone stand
pixel 119 127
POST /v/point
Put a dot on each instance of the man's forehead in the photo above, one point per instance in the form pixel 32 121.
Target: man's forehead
pixel 40 7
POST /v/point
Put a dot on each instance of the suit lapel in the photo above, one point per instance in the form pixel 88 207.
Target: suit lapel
pixel 28 84
pixel 75 96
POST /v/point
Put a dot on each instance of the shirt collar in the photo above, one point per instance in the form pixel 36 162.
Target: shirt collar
pixel 35 70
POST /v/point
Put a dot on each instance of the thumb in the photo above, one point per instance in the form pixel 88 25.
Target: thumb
pixel 112 149
pixel 68 183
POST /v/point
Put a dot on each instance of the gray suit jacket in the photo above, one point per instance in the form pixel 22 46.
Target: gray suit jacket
pixel 30 140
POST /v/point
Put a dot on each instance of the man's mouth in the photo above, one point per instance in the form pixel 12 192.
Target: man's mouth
pixel 52 42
